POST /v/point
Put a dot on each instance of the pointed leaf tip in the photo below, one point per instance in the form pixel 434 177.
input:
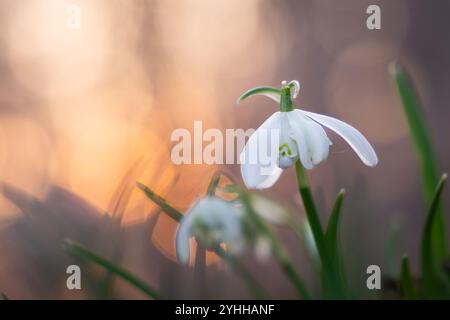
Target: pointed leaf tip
pixel 395 68
pixel 406 280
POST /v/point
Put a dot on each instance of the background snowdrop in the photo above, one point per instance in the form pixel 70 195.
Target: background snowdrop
pixel 212 221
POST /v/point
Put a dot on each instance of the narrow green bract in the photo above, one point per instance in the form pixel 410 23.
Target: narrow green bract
pixel 267 91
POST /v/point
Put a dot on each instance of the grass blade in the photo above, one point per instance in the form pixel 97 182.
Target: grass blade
pixel 80 251
pixel 406 280
pixel 161 202
pixel 422 142
pixel 436 283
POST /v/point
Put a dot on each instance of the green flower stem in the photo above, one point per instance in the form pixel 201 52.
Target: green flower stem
pixel 235 264
pixel 311 212
pixel 329 273
pixel 278 250
pixel 80 251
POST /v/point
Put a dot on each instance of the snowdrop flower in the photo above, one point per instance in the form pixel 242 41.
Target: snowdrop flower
pixel 300 136
pixel 212 221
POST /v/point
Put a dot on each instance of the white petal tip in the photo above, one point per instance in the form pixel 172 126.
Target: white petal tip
pixel 371 162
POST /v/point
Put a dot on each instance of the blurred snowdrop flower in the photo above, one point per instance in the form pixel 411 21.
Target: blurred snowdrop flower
pixel 212 221
pixel 300 136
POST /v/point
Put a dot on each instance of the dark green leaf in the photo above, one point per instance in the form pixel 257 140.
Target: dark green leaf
pixel 331 235
pixel 419 132
pixel 406 280
pixel 334 246
pixel 436 283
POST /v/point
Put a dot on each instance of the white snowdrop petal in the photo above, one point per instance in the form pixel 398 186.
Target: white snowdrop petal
pixel 352 136
pixel 317 140
pixel 182 239
pixel 259 173
pixel 296 128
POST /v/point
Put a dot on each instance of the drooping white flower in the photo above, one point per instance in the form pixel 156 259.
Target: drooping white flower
pixel 212 221
pixel 293 134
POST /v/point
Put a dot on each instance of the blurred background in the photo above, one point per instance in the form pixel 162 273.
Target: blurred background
pixel 84 113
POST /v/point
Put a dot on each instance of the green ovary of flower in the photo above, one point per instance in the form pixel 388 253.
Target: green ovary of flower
pixel 287 155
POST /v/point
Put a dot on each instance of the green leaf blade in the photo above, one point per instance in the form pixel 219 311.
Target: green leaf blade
pixel 436 283
pixel 161 202
pixel 422 142
pixel 406 280
pixel 334 246
pixel 77 250
pixel 331 235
